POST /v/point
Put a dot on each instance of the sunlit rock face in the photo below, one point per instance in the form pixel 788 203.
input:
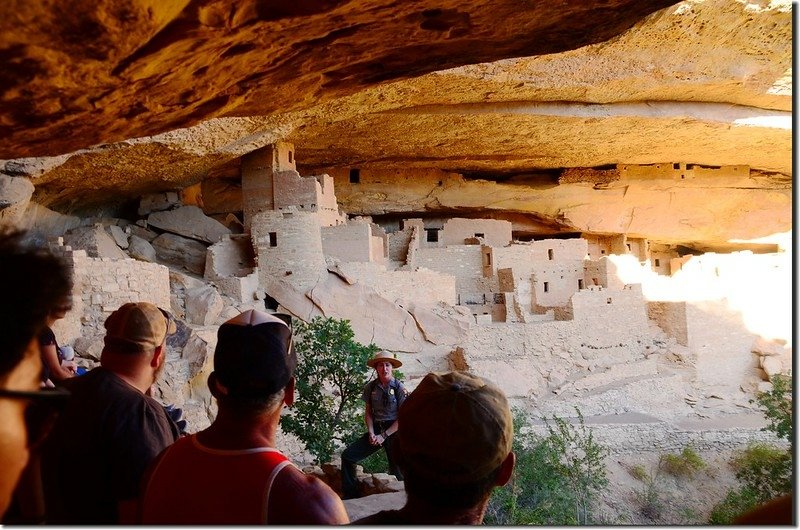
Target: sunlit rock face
pixel 79 73
pixel 704 83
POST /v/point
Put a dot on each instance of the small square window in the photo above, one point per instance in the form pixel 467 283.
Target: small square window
pixel 658 262
pixel 432 235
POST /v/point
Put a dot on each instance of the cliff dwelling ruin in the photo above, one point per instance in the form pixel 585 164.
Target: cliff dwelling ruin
pixel 599 216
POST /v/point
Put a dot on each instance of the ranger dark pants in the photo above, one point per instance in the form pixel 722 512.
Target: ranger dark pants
pixel 361 449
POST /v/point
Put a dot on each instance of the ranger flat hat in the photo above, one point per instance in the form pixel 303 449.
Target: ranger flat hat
pixel 382 356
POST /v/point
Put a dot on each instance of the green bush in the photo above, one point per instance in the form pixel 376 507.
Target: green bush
pixel 555 478
pixel 736 502
pixel 684 464
pixel 639 472
pixel 764 470
pixel 331 374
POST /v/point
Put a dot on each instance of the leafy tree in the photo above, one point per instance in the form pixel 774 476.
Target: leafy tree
pixel 554 479
pixel 330 377
pixel 580 461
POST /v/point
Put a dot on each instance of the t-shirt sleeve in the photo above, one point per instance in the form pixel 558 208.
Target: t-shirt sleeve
pixel 47 337
pixel 139 436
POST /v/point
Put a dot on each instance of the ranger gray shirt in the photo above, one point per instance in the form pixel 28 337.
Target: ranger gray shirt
pixel 384 402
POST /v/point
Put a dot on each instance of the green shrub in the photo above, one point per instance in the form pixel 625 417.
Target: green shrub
pixel 684 464
pixel 331 374
pixel 555 478
pixel 639 472
pixel 736 502
pixel 766 470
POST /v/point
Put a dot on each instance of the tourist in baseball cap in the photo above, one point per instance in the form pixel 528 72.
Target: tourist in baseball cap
pixel 455 441
pixel 111 429
pixel 232 472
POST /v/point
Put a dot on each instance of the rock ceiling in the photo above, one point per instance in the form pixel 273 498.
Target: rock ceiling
pixel 176 92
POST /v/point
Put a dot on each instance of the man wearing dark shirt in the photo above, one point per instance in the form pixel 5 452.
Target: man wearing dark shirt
pixel 111 430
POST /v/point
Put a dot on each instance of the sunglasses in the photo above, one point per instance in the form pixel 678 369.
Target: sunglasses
pixel 42 411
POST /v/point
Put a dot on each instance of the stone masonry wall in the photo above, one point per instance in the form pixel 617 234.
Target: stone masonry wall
pixel 296 255
pixel 420 286
pixel 522 256
pixel 102 285
pixel 623 439
pixel 293 190
pixel 350 242
pixel 462 262
pixel 494 232
pixel 671 317
pixel 553 283
pixel 398 244
pixel 611 313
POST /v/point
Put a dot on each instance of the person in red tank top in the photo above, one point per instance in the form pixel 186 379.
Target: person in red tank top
pixel 231 473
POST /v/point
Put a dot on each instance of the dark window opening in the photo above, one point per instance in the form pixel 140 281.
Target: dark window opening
pixel 580 284
pixel 676 166
pixel 355 175
pixel 479 235
pixel 273 239
pixel 608 300
pixel 628 245
pixel 290 157
pixel 658 262
pixel 602 252
pixel 546 287
pixel 287 214
pixel 549 253
pixel 432 235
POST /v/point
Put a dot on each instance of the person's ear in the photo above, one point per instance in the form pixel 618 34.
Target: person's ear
pixel 288 393
pixel 216 388
pixel 506 469
pixel 158 356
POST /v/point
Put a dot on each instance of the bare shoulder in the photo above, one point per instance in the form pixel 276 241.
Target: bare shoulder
pixel 297 498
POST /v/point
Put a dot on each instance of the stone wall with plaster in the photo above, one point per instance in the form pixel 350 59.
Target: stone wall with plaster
pixel 231 256
pixel 599 246
pixel 671 317
pixel 289 246
pixel 493 232
pixel 554 282
pixel 420 286
pixel 463 262
pixel 522 257
pixel 102 285
pixel 611 313
pixel 348 242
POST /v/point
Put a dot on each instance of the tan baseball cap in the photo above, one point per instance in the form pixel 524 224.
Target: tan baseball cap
pixel 140 323
pixel 454 428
